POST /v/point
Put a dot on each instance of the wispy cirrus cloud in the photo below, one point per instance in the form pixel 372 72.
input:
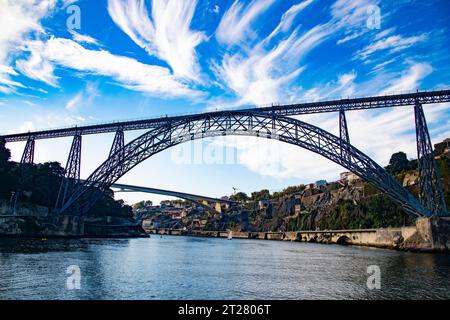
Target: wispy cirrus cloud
pixel 7 85
pixel 262 73
pixel 350 18
pixel 166 34
pixel 389 45
pixel 287 19
pixel 18 18
pixel 410 79
pixel 83 38
pixel 235 25
pixel 127 72
pixel 36 66
pixel 83 98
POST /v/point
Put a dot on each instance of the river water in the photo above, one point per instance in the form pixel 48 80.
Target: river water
pixel 173 267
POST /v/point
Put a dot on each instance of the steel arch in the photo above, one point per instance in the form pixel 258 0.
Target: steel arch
pixel 244 123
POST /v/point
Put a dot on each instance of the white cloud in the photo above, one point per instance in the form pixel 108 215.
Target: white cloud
pixel 288 17
pixel 391 44
pixel 260 75
pixel 8 70
pixel 128 72
pixel 235 25
pixel 6 84
pixel 83 98
pixel 410 80
pixel 167 35
pixel 73 103
pixel 263 72
pixel 253 78
pixel 83 38
pixel 350 18
pixel 31 104
pixel 36 66
pixel 18 18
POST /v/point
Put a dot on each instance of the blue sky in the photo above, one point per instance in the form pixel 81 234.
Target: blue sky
pixel 136 59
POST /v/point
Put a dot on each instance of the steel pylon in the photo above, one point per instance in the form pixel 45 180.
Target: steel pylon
pixel 343 135
pixel 71 173
pixel 28 152
pixel 430 186
pixel 118 143
pixel 27 158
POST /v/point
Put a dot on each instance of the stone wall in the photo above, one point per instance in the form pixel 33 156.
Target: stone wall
pixel 428 235
pixel 23 209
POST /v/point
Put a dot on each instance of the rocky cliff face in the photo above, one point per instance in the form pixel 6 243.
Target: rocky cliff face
pixel 334 207
pixel 31 220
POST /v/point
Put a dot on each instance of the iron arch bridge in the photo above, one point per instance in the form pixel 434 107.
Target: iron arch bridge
pixel 267 122
pixel 243 123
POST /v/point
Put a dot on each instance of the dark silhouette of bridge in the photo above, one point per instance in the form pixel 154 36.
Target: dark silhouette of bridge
pixel 75 197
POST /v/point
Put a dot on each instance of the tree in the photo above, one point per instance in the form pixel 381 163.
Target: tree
pixel 5 154
pixel 264 194
pixel 398 163
pixel 142 204
pixel 239 197
pixel 7 180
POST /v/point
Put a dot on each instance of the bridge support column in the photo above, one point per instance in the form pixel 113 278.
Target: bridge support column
pixel 118 143
pixel 27 158
pixel 343 135
pixel 28 153
pixel 71 173
pixel 430 186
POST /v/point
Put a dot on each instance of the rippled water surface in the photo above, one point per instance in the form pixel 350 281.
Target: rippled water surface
pixel 172 267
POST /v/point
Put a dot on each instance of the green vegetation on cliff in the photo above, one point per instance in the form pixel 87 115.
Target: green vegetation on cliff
pixel 39 184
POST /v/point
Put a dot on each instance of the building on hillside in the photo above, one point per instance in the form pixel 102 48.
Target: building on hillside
pixel 320 184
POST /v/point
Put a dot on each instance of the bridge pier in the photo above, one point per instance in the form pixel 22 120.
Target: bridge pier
pixel 28 153
pixel 27 158
pixel 431 194
pixel 71 173
pixel 118 143
pixel 343 135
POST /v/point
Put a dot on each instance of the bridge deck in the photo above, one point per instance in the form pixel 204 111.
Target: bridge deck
pixel 177 194
pixel 388 101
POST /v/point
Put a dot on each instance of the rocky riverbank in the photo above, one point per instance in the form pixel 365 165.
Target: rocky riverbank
pixel 33 221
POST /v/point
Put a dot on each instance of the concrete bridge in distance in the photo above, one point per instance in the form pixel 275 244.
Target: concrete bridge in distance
pixel 203 201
